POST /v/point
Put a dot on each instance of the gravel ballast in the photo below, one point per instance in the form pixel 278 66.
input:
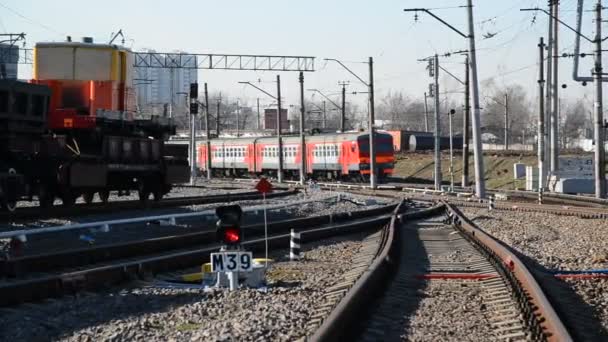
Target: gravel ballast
pixel 149 313
pixel 556 243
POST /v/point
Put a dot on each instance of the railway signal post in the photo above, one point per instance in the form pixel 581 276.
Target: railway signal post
pixel 230 259
pixel 193 114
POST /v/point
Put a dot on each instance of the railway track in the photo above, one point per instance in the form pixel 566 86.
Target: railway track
pixel 115 206
pixel 572 205
pixel 431 251
pixel 38 277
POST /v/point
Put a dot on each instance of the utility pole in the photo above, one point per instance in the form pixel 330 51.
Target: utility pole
pixel 451 114
pixel 217 116
pixel 343 115
pixel 324 115
pixel 506 121
pixel 280 142
pixel 302 138
pixel 555 91
pixel 466 128
pixel 438 175
pixel 541 115
pixel 372 148
pixel 480 184
pixel 238 106
pixel 548 102
pixel 600 167
pixel 258 103
pixel 426 114
pixel 207 133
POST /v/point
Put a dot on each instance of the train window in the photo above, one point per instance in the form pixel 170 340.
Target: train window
pixel 20 103
pixel 3 101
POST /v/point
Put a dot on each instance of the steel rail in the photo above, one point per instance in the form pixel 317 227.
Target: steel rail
pixel 105 225
pixel 538 312
pixel 17 266
pixel 95 208
pixel 100 276
pixel 355 304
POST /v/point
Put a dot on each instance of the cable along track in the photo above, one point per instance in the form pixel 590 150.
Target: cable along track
pixel 444 280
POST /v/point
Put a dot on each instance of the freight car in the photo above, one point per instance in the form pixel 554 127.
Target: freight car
pixel 328 156
pixel 404 141
pixel 426 143
pixel 72 131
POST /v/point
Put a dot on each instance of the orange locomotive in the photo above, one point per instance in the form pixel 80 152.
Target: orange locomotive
pixel 330 156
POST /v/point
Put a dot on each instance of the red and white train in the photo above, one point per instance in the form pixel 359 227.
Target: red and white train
pixel 328 156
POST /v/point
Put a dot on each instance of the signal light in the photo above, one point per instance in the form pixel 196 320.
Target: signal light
pixel 193 90
pixel 229 224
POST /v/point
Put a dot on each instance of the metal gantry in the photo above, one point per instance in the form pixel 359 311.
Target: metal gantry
pixel 223 61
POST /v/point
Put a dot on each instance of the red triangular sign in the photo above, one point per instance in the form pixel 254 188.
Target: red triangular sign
pixel 264 186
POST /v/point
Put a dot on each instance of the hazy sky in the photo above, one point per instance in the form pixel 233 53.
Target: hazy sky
pixel 349 30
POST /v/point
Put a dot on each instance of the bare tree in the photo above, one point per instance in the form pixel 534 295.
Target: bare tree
pixel 572 122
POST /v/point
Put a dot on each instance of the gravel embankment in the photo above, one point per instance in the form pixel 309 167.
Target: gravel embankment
pixel 148 313
pixel 556 243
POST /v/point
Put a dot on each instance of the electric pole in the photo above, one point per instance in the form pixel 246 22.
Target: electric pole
pixel 343 115
pixel 555 91
pixel 438 175
pixel 372 148
pixel 541 115
pixel 480 184
pixel 280 142
pixel 548 102
pixel 506 121
pixel 258 103
pixel 238 106
pixel 324 115
pixel 600 167
pixel 302 138
pixel 217 116
pixel 207 133
pixel 426 114
pixel 465 123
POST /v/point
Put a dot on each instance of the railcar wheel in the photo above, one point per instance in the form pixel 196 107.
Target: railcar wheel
pixel 88 197
pixel 10 205
pixel 104 196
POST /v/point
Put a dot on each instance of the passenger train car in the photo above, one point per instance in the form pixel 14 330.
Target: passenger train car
pixel 328 156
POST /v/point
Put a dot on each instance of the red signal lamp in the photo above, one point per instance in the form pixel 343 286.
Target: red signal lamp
pixel 232 235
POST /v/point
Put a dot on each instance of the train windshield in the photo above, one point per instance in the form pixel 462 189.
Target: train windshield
pixel 383 144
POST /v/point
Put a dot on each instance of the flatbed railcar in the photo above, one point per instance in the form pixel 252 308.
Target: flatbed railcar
pixel 328 156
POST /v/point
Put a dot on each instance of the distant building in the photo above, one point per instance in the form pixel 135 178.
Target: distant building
pixel 153 87
pixel 270 119
pixel 9 59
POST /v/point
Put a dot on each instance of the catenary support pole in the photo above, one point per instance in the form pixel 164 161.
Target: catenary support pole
pixel 466 125
pixel 480 184
pixel 506 122
pixel 541 116
pixel 279 128
pixel 217 117
pixel 258 103
pixel 372 147
pixel 437 134
pixel 343 113
pixel 451 114
pixel 426 113
pixel 548 102
pixel 598 134
pixel 207 133
pixel 302 137
pixel 555 91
